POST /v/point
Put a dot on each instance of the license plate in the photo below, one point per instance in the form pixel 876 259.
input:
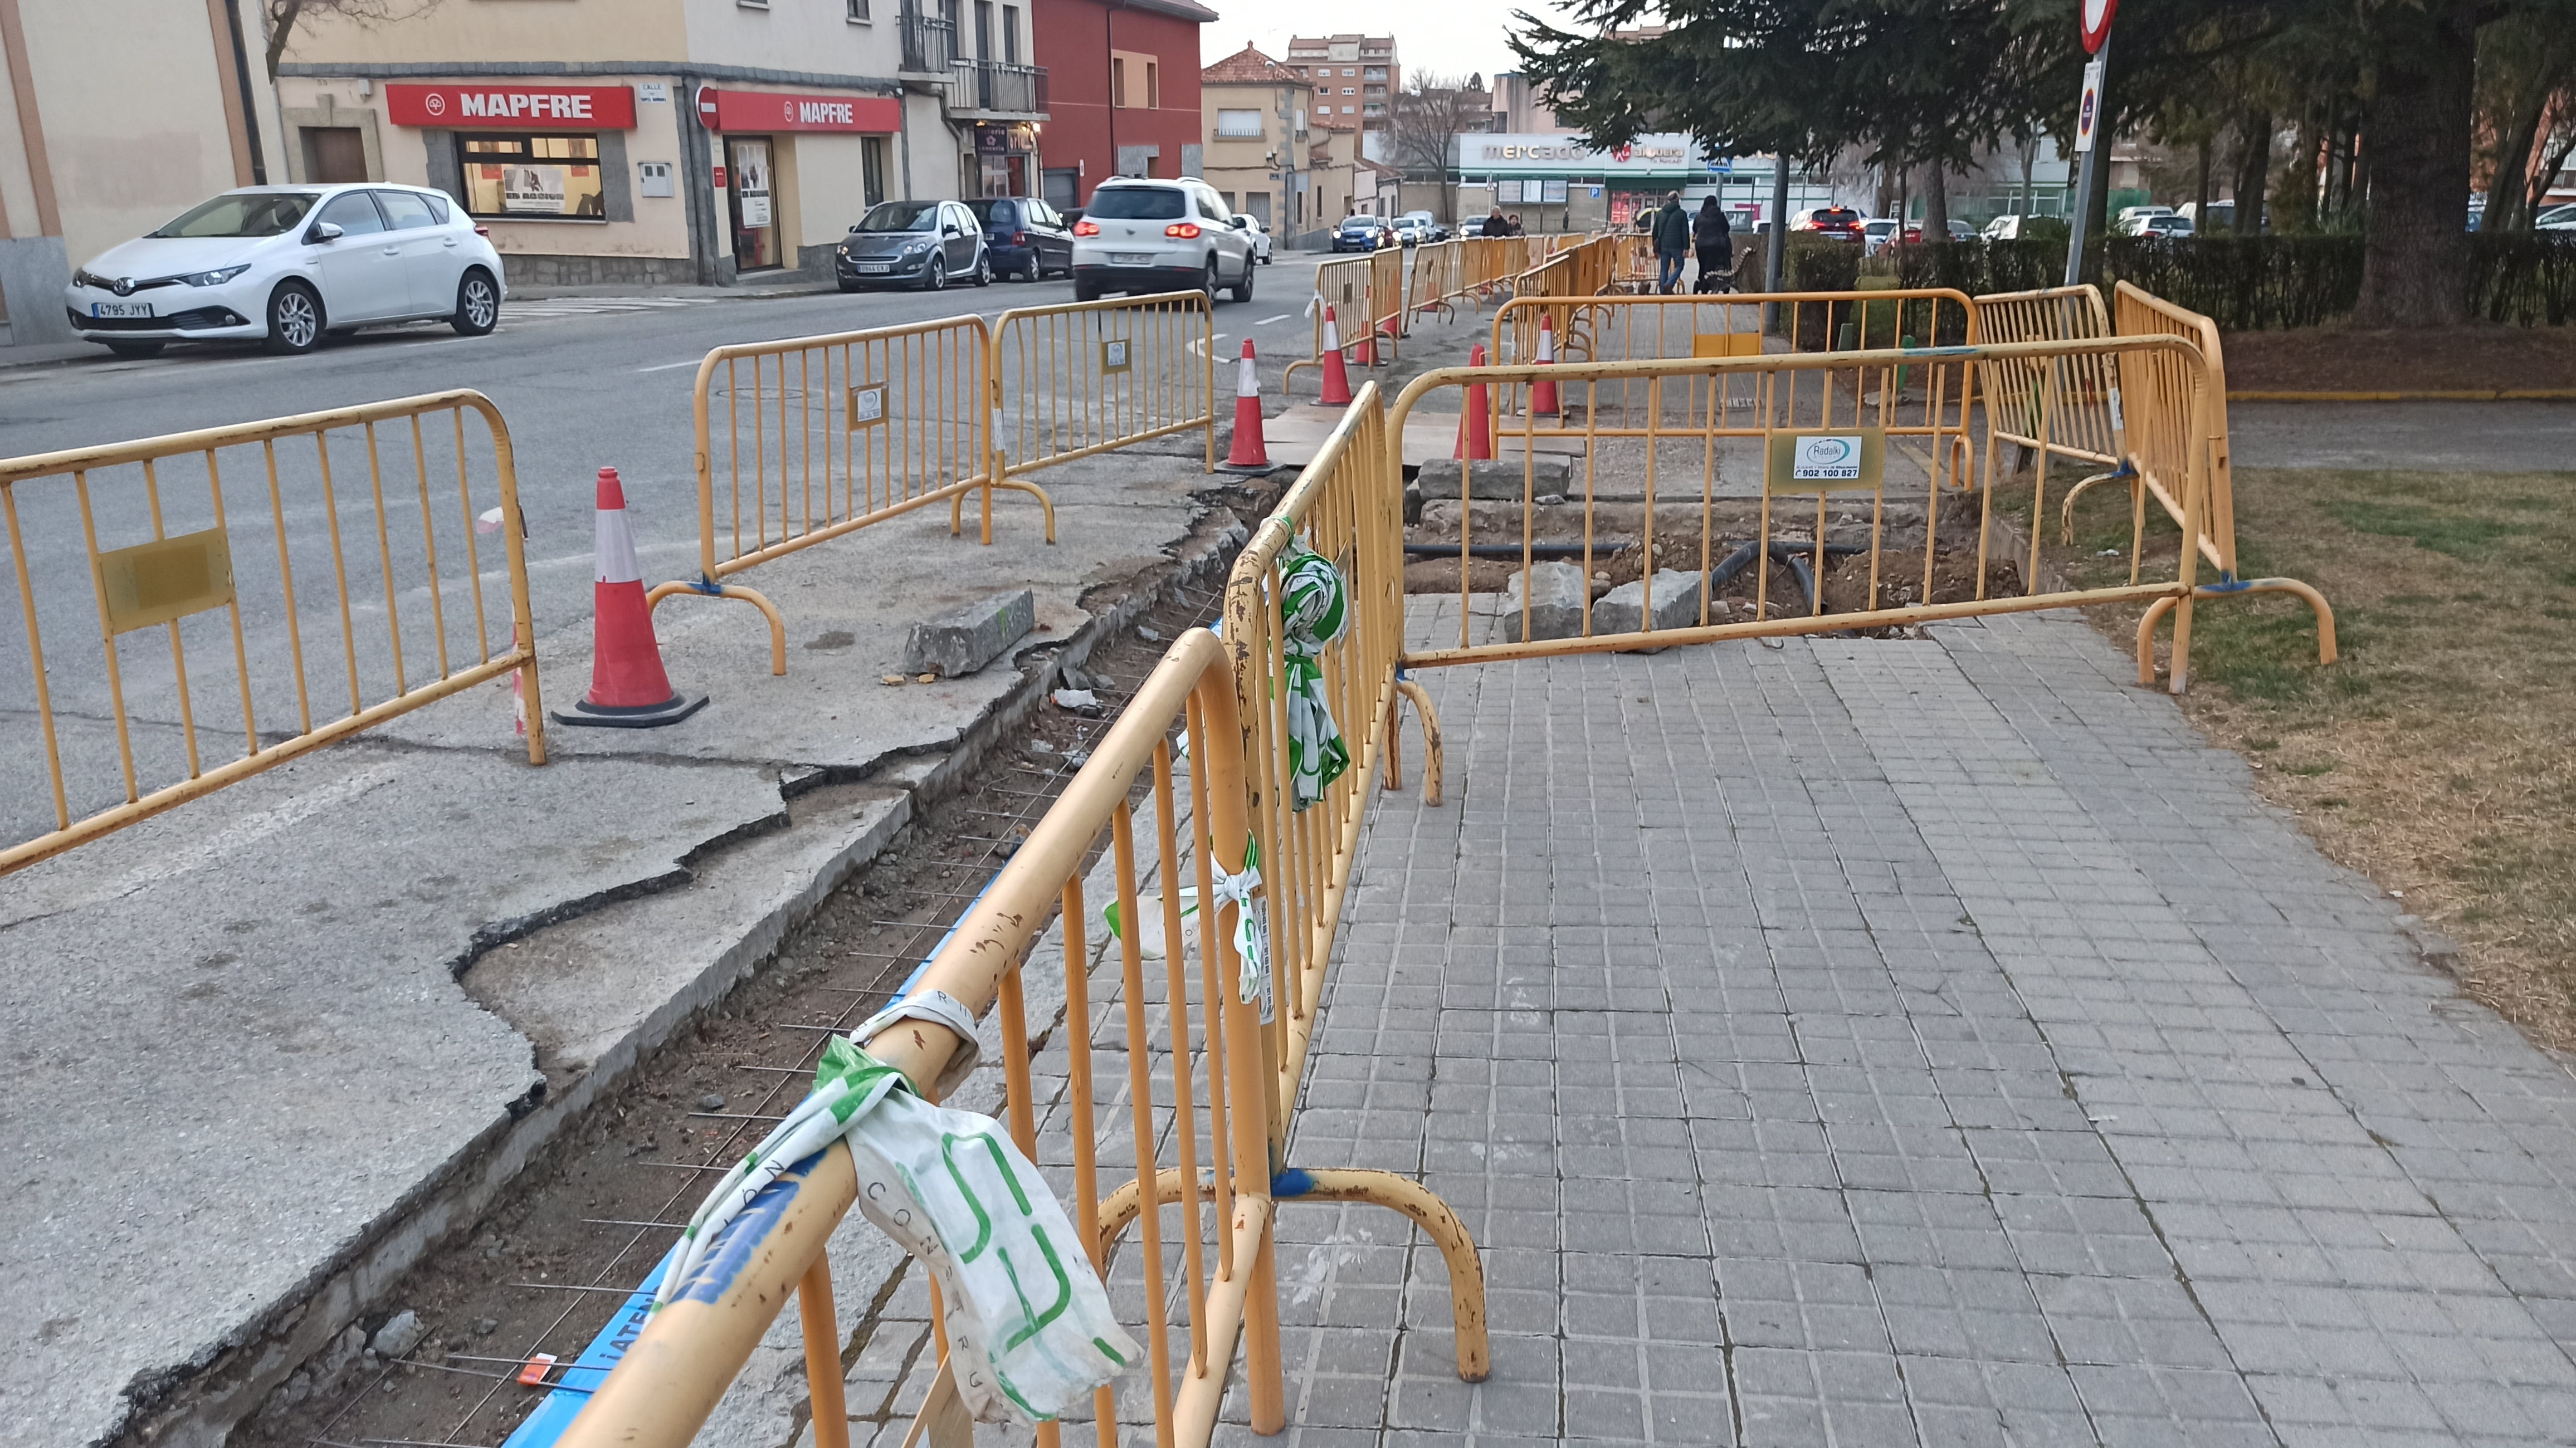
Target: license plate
pixel 1131 258
pixel 875 267
pixel 120 309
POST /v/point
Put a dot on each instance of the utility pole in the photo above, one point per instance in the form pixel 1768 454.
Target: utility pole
pixel 1778 260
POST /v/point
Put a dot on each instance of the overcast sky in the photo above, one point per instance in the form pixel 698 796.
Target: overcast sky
pixel 1456 36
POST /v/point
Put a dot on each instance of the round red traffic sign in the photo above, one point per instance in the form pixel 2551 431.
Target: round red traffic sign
pixel 2097 23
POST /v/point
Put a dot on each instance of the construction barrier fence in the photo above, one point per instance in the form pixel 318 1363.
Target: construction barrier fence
pixel 802 440
pixel 1166 1118
pixel 318 574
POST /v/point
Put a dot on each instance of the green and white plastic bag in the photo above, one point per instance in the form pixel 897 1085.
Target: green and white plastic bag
pixel 1314 612
pixel 1030 1331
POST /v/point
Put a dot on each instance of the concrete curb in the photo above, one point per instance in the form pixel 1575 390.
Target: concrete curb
pixel 2504 394
pixel 204 1399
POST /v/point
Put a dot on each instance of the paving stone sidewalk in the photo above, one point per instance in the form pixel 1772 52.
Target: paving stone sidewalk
pixel 1862 1042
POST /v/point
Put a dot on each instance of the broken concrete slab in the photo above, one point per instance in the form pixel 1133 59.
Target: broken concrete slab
pixel 1556 594
pixel 1500 480
pixel 1623 609
pixel 973 636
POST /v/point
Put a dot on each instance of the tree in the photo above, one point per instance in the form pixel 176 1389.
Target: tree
pixel 2527 99
pixel 280 17
pixel 1429 115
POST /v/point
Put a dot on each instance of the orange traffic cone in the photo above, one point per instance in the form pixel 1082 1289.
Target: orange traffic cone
pixel 1337 379
pixel 1251 452
pixel 628 689
pixel 1475 429
pixel 1543 391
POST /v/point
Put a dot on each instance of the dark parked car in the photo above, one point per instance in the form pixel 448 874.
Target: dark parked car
pixel 1025 237
pixel 921 244
pixel 1363 233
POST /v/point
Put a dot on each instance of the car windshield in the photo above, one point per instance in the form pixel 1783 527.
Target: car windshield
pixel 1137 203
pixel 244 213
pixel 900 216
pixel 986 208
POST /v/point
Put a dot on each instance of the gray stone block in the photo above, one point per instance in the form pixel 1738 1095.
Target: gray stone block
pixel 1622 609
pixel 1556 595
pixel 1499 481
pixel 970 638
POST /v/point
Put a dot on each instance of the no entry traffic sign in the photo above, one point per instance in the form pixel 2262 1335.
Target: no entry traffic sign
pixel 2097 23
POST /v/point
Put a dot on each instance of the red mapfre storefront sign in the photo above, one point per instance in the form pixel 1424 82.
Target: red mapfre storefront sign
pixel 584 107
pixel 728 110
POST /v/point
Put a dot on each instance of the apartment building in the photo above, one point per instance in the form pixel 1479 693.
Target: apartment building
pixel 667 141
pixel 1356 78
pixel 1259 142
pixel 1126 99
pixel 1517 107
pixel 89 159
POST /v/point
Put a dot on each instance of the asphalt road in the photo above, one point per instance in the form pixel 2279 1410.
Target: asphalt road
pixel 583 382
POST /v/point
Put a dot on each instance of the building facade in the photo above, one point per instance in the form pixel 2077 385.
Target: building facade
pixel 86 164
pixel 669 141
pixel 1356 78
pixel 1517 107
pixel 1554 182
pixel 1259 141
pixel 1125 100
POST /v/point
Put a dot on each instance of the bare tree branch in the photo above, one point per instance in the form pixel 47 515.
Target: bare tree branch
pixel 281 17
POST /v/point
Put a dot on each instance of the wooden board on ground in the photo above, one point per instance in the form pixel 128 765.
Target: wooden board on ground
pixel 1295 436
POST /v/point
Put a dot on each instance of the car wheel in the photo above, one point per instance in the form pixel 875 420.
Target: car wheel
pixel 983 268
pixel 135 349
pixel 1085 292
pixel 294 319
pixel 1243 289
pixel 478 305
pixel 935 279
pixel 1037 268
pixel 1207 283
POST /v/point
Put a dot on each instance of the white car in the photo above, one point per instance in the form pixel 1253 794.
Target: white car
pixel 1140 236
pixel 2556 218
pixel 2156 223
pixel 286 264
pixel 1259 233
pixel 1876 233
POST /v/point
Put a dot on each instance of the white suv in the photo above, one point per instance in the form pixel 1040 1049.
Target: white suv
pixel 1142 236
pixel 284 264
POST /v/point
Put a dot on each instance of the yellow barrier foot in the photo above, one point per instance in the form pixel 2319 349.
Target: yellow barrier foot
pixel 1431 763
pixel 2327 650
pixel 1437 1221
pixel 777 621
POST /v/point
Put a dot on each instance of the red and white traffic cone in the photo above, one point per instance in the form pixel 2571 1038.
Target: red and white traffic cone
pixel 628 689
pixel 1337 378
pixel 1475 429
pixel 1543 392
pixel 1251 452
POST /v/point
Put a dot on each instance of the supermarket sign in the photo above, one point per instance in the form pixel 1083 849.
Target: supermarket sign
pixel 587 107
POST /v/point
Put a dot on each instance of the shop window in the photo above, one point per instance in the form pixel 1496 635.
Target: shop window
pixel 532 176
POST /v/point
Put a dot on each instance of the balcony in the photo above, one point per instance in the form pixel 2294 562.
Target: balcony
pixel 992 90
pixel 929 46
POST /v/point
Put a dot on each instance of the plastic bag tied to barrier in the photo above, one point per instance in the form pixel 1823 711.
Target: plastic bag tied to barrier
pixel 1314 612
pixel 1030 1330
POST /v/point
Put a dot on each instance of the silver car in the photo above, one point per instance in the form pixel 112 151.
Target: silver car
pixel 1142 236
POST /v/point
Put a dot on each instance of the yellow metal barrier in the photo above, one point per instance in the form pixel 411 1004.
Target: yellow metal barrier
pixel 1363 291
pixel 2081 394
pixel 1439 278
pixel 142 538
pixel 1229 1081
pixel 2142 313
pixel 1744 418
pixel 814 437
pixel 1082 378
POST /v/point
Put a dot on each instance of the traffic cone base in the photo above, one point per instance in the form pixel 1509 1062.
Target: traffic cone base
pixel 628 689
pixel 1543 392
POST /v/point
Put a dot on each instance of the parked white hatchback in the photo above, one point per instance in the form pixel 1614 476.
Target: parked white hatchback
pixel 1140 236
pixel 286 264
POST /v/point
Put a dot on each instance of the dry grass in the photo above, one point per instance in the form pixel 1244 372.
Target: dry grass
pixel 2435 757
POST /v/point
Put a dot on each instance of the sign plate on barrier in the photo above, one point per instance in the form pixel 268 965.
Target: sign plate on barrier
pixel 1825 462
pixel 171 578
pixel 1114 354
pixel 867 405
pixel 1726 344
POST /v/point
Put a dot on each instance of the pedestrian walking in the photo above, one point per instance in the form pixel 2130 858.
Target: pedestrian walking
pixel 1716 243
pixel 1672 231
pixel 1495 225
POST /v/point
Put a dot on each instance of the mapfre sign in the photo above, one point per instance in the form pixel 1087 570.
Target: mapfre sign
pixel 753 111
pixel 567 107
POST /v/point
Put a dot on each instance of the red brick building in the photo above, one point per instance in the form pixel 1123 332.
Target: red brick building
pixel 1356 79
pixel 1124 91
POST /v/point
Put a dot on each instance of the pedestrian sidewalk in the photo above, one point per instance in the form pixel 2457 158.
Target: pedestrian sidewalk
pixel 1895 1042
pixel 1867 1042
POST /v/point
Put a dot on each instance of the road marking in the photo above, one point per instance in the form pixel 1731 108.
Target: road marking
pixel 1266 321
pixel 667 366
